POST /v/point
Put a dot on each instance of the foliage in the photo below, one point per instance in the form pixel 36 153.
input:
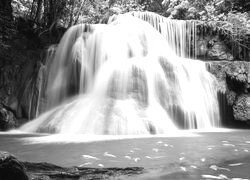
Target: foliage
pixel 195 9
pixel 127 6
pixel 238 24
pixel 47 15
pixel 237 27
pixel 234 31
pixel 21 7
pixel 206 10
pixel 231 18
pixel 241 5
pixel 69 12
pixel 6 23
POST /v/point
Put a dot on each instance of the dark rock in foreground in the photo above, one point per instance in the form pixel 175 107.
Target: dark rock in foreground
pixel 45 171
pixel 12 169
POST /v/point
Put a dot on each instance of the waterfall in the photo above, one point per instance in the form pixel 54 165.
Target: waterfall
pixel 125 78
pixel 180 34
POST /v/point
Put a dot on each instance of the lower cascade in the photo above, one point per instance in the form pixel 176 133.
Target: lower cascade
pixel 123 78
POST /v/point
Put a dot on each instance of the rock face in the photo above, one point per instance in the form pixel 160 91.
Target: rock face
pixel 219 51
pixel 212 48
pixel 11 168
pixel 241 108
pixel 7 119
pixel 19 86
pixel 234 83
pixel 212 43
pixel 22 51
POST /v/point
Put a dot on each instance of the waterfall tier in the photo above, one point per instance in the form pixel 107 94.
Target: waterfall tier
pixel 180 34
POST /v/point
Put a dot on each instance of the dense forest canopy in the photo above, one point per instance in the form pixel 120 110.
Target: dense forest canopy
pixel 44 16
pixel 69 12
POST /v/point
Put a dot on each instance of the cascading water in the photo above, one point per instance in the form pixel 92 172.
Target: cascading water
pixel 123 78
pixel 180 34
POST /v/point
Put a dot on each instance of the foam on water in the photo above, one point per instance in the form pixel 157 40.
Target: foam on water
pixel 83 138
pixel 73 138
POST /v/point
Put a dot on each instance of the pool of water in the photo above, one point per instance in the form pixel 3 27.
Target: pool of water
pixel 182 152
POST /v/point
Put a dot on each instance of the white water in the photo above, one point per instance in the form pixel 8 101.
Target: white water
pixel 83 138
pixel 123 78
pixel 180 34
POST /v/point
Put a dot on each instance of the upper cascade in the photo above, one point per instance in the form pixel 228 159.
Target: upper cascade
pixel 124 78
pixel 180 34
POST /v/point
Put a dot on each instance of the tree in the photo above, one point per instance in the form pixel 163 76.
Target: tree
pixel 6 22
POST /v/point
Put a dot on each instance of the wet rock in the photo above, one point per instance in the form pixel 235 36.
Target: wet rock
pixel 235 75
pixel 7 119
pixel 11 168
pixel 46 171
pixel 39 177
pixel 234 82
pixel 212 48
pixel 241 108
pixel 219 51
pixel 231 97
pixel 20 82
pixel 239 71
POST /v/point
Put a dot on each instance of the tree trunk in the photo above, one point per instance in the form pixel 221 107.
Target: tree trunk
pixel 79 12
pixel 32 9
pixel 50 14
pixel 71 13
pixel 38 11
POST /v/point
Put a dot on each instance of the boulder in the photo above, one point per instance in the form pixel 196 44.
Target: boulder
pixel 219 51
pixel 239 71
pixel 231 97
pixel 241 108
pixel 212 48
pixel 235 75
pixel 234 82
pixel 7 119
pixel 11 168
